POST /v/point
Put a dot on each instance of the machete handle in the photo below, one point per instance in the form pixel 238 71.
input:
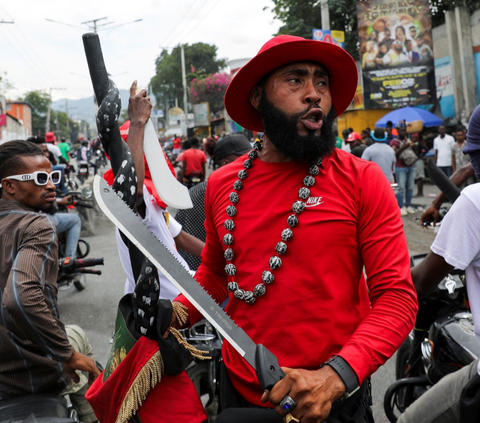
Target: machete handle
pixel 96 65
pixel 267 368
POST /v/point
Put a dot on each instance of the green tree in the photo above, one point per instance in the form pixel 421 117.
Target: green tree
pixel 300 17
pixel 200 58
pixel 39 101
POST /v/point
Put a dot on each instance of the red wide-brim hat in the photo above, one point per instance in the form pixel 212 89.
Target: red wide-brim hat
pixel 280 51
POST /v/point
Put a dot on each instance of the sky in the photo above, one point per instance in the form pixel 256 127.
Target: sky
pixel 37 54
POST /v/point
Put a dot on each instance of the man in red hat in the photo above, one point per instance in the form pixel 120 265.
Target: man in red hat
pixel 291 227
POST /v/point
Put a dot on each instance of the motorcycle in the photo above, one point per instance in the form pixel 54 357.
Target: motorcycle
pixel 83 171
pixel 442 342
pixel 64 282
pixel 100 158
pixel 204 373
pixel 70 182
pixel 37 408
pixel 193 179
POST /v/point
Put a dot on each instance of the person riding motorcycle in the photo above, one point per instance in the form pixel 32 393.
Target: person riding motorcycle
pixel 194 160
pixel 457 245
pixel 38 352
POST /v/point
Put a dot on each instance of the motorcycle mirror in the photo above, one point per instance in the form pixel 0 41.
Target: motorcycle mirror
pixel 87 192
pixel 450 284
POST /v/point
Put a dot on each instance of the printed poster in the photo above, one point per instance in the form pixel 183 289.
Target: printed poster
pixel 396 52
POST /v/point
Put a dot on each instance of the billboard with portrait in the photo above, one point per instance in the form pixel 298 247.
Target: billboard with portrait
pixel 396 53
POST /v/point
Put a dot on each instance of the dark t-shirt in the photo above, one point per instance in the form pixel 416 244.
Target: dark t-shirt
pixel 358 150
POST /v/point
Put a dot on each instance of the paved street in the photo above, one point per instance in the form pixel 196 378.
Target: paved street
pixel 94 309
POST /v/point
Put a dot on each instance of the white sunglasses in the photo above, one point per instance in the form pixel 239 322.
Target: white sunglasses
pixel 40 177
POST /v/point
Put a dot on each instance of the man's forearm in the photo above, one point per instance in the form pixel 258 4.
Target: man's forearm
pixel 458 178
pixel 189 243
pixel 135 143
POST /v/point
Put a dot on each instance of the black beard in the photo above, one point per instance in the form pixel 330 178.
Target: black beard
pixel 281 129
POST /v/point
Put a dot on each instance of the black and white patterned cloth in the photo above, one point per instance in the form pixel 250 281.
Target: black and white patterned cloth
pixel 193 220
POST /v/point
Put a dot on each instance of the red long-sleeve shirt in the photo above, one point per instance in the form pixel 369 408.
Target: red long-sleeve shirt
pixel 319 304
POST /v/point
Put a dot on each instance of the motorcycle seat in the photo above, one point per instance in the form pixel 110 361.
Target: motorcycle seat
pixel 46 408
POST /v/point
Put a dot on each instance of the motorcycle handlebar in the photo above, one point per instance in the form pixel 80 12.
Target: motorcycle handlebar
pixel 91 271
pixel 83 204
pixel 89 262
pixel 69 265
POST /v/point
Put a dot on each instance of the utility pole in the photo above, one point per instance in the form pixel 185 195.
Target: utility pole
pixel 47 123
pixel 94 26
pixel 184 80
pixel 325 14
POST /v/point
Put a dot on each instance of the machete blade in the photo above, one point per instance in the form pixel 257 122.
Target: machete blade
pixel 136 231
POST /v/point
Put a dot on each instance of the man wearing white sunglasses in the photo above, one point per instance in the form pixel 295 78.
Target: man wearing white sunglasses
pixel 37 355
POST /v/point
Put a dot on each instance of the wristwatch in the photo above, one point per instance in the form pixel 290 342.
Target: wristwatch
pixel 346 373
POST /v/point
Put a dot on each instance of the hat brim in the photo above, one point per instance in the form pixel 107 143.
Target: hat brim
pixel 340 65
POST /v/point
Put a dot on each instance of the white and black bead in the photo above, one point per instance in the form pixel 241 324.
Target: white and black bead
pixel 228 239
pixel 253 154
pixel 232 286
pixel 230 269
pixel 257 145
pixel 249 297
pixel 287 234
pixel 247 164
pixel 298 207
pixel 238 185
pixel 234 198
pixel 229 225
pixel 292 220
pixel 243 174
pixel 239 293
pixel 309 181
pixel 281 248
pixel 267 277
pixel 260 290
pixel 304 193
pixel 275 262
pixel 228 254
pixel 314 170
pixel 231 210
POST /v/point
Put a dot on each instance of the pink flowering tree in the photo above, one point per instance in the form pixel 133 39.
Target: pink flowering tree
pixel 210 89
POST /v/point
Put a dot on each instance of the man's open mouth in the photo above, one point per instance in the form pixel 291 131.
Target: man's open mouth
pixel 313 120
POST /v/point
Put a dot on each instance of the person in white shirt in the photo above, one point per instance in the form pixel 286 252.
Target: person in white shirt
pixel 443 150
pixel 457 245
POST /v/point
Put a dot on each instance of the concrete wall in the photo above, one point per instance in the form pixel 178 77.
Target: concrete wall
pixel 457 65
pixel 13 131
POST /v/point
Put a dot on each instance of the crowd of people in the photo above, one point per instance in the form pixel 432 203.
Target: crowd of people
pixel 302 240
pixel 402 156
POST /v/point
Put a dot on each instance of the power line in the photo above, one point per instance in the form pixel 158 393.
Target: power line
pixel 206 14
pixel 95 27
pixel 28 62
pixel 180 21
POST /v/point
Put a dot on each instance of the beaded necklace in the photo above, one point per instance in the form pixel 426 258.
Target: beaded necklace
pixel 275 262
